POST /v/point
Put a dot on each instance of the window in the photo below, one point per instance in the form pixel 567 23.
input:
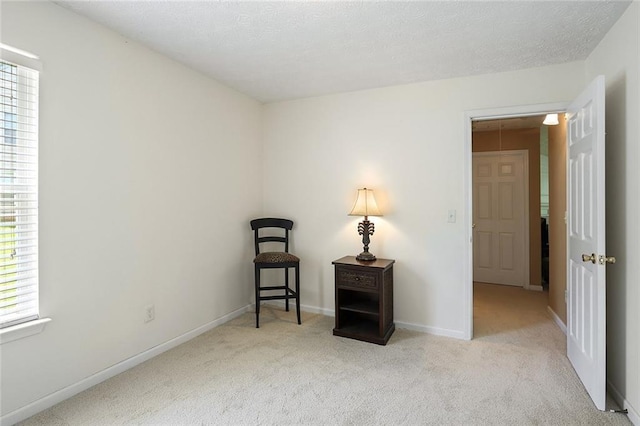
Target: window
pixel 18 194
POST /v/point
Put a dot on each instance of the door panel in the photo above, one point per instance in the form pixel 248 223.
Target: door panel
pixel 484 200
pixel 507 247
pixel 484 245
pixel 586 316
pixel 506 199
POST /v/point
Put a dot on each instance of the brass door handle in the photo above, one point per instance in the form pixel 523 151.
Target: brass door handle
pixel 606 259
pixel 473 225
pixel 587 258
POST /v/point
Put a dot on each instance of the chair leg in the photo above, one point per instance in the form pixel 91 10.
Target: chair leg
pixel 286 290
pixel 257 282
pixel 297 269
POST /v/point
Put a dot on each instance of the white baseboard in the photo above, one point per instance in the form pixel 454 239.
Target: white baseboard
pixel 316 310
pixel 74 389
pixel 557 320
pixel 456 334
pixel 399 324
pixel 305 308
pixel 535 288
pixel 632 414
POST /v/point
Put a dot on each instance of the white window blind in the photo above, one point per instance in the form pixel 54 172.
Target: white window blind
pixel 18 194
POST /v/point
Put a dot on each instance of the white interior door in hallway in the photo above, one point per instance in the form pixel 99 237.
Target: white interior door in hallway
pixel 501 217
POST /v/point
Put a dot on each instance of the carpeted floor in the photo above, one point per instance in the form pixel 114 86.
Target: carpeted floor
pixel 514 372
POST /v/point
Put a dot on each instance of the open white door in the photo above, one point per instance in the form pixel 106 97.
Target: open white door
pixel 586 276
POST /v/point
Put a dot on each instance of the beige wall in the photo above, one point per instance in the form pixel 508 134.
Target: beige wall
pixel 557 225
pixel 408 144
pixel 521 139
pixel 148 176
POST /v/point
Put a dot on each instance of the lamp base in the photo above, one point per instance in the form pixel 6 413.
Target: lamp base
pixel 365 256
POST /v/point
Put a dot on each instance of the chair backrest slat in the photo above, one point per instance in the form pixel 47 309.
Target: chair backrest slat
pixel 284 224
pixel 272 239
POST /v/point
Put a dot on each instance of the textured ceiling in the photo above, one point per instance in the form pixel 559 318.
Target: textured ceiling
pixel 284 50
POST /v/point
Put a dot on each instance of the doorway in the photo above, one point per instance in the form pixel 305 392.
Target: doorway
pixel 507 228
pixel 509 120
pixel 584 219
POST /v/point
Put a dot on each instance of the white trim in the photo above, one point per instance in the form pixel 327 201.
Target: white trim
pixel 516 111
pixel 535 288
pixel 557 320
pixel 303 308
pixel 467 254
pixel 18 51
pixel 20 57
pixel 316 310
pixel 467 214
pixel 52 399
pixel 436 331
pixel 632 414
pixel 20 331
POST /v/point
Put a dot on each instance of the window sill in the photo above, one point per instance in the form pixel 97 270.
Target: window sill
pixel 21 331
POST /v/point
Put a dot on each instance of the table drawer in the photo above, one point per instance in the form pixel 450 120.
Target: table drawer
pixel 346 277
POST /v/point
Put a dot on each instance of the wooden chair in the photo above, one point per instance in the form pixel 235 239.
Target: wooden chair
pixel 275 259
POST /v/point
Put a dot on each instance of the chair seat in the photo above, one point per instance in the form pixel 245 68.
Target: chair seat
pixel 275 257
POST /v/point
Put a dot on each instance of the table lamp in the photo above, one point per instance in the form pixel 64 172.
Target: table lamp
pixel 365 206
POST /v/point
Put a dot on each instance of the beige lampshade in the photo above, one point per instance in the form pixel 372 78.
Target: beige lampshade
pixel 365 204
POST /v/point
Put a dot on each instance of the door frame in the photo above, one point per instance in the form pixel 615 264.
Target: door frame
pixel 467 256
pixel 524 153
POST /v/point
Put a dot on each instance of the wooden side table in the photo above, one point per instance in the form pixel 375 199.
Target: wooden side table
pixel 364 299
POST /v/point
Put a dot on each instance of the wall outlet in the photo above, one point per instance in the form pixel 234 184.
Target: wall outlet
pixel 149 313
